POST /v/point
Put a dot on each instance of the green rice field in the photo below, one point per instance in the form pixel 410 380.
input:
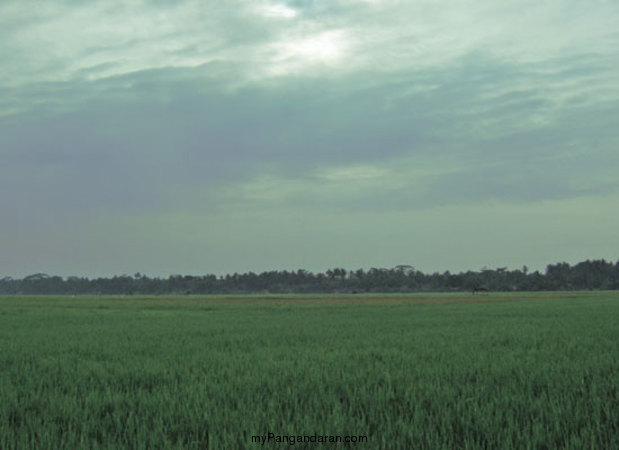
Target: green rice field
pixel 442 371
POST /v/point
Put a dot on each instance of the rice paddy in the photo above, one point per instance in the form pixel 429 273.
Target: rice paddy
pixel 536 370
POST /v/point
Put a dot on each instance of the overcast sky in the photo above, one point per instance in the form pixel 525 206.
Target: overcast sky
pixel 202 137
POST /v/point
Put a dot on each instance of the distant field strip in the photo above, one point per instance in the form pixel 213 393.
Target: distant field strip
pixel 532 370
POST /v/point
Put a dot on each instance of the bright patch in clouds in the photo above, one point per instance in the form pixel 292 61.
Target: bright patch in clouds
pixel 324 48
pixel 278 11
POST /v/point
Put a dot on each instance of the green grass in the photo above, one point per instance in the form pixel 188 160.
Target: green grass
pixel 512 371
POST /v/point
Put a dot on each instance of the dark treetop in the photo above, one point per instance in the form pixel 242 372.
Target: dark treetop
pixel 596 274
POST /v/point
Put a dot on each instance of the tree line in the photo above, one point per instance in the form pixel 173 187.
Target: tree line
pixel 590 274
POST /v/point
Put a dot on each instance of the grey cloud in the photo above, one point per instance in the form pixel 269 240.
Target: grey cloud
pixel 188 112
pixel 169 126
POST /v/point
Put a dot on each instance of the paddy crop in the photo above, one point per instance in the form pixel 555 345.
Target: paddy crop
pixel 504 371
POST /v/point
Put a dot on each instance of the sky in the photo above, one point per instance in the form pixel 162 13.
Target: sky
pixel 195 137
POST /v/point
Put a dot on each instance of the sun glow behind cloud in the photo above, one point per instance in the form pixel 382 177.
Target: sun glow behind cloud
pixel 327 48
pixel 277 11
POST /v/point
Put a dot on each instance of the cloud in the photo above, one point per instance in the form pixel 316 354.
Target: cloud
pixel 202 109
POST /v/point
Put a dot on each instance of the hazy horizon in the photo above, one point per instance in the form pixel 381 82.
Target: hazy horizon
pixel 530 270
pixel 194 137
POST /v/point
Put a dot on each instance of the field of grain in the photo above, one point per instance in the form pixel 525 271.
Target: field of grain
pixel 537 370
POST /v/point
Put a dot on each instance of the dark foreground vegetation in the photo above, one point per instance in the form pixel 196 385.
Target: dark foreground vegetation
pixel 514 371
pixel 596 274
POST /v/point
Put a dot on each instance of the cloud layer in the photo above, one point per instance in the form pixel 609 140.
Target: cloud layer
pixel 257 119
